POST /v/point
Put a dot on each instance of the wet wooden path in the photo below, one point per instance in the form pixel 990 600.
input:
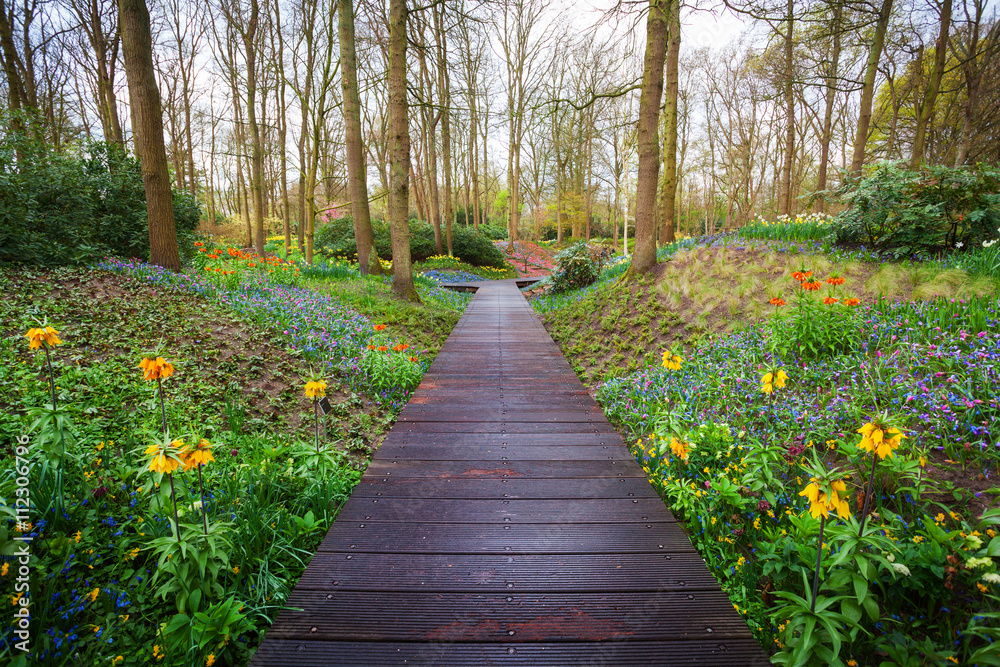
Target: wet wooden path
pixel 503 522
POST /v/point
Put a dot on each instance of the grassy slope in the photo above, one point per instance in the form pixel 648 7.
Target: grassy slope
pixel 619 327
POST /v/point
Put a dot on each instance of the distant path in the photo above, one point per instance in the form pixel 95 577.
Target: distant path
pixel 504 522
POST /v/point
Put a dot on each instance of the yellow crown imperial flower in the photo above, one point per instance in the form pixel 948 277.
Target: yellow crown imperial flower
pixel 316 389
pixel 880 440
pixel 779 379
pixel 672 361
pixel 163 460
pixel 680 448
pixel 821 503
pixel 154 369
pixel 198 455
pixel 767 383
pixel 38 336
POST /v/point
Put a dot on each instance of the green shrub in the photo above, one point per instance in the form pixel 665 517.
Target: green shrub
pixel 576 269
pixel 76 206
pixel 336 239
pixel 917 212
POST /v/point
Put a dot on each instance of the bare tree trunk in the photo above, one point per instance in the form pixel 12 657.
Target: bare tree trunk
pixel 644 255
pixel 444 95
pixel 868 88
pixel 368 259
pixel 831 96
pixel 926 106
pixel 786 197
pixel 147 126
pixel 399 169
pixel 668 194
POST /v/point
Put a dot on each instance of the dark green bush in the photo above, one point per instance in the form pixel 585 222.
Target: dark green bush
pixel 336 239
pixel 76 206
pixel 918 212
pixel 576 268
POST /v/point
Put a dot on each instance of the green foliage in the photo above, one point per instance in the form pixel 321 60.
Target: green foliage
pixel 814 329
pixel 917 212
pixel 75 206
pixel 336 238
pixel 575 269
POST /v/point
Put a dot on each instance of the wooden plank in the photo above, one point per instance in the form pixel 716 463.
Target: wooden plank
pixel 419 487
pixel 476 426
pixel 582 538
pixel 436 452
pixel 505 510
pixel 500 439
pixel 744 651
pixel 571 469
pixel 450 572
pixel 516 617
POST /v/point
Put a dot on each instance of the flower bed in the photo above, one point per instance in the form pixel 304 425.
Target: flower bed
pixel 762 469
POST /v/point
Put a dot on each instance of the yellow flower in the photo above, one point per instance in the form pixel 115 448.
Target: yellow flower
pixel 198 455
pixel 779 379
pixel 38 337
pixel 821 504
pixel 157 652
pixel 679 448
pixel 153 369
pixel 4 570
pixel 118 660
pixel 316 389
pixel 236 569
pixel 163 459
pixel 873 439
pixel 210 660
pixel 672 361
pixel 766 383
pixel 94 593
pixel 77 536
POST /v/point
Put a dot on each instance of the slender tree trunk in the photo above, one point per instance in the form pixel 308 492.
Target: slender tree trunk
pixel 668 194
pixel 644 255
pixel 368 259
pixel 926 108
pixel 786 196
pixel 831 97
pixel 399 169
pixel 147 126
pixel 256 145
pixel 868 88
pixel 444 95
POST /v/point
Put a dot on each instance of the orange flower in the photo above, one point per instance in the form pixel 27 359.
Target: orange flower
pixel 812 286
pixel 379 327
pixel 776 301
pixel 371 347
pixel 801 275
pixel 413 359
pixel 400 347
pixel 851 302
pixel 154 369
pixel 383 348
pixel 198 244
pixel 38 336
pixel 251 264
pixel 830 300
pixel 197 455
pixel 835 280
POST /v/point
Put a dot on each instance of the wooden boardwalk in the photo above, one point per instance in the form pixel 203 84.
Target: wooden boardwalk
pixel 504 522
